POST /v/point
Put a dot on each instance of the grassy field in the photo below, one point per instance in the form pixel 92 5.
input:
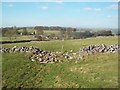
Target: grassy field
pixel 45 31
pixel 97 71
pixel 51 32
pixel 28 30
pixel 68 44
pixel 28 37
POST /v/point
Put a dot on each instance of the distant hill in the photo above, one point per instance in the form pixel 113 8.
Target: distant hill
pixel 114 30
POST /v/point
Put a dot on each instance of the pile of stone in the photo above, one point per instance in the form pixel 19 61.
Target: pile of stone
pixel 43 56
pixel 101 48
pixel 19 49
pixel 55 57
pixel 46 57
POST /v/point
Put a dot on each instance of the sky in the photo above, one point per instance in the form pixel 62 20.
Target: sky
pixel 66 14
pixel 59 0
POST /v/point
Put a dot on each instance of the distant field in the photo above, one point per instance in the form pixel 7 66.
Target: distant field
pixel 17 38
pixel 45 31
pixel 51 32
pixel 28 37
pixel 68 44
pixel 97 71
pixel 28 30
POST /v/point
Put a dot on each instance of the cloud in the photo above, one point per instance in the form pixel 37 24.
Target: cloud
pixel 88 9
pixel 59 1
pixel 113 6
pixel 44 7
pixel 97 9
pixel 114 17
pixel 92 9
pixel 8 5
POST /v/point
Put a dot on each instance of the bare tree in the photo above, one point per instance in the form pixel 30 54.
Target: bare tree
pixel 11 32
pixel 39 30
pixel 24 31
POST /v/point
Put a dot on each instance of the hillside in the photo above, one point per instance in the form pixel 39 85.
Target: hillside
pixel 96 71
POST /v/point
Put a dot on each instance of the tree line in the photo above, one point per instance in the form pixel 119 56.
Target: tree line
pixel 65 32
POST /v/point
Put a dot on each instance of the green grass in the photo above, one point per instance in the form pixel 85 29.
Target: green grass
pixel 28 30
pixel 28 37
pixel 51 32
pixel 97 71
pixel 45 31
pixel 68 44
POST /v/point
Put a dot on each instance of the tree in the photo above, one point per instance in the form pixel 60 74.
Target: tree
pixel 4 31
pixel 11 32
pixel 24 32
pixel 69 33
pixel 39 30
pixel 83 34
pixel 62 33
pixel 34 33
pixel 0 31
pixel 8 34
pixel 15 32
pixel 103 33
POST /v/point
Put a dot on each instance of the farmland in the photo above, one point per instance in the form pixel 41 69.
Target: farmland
pixel 59 45
pixel 27 37
pixel 17 38
pixel 97 71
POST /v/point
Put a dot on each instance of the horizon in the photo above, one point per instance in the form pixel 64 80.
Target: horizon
pixel 64 14
pixel 61 26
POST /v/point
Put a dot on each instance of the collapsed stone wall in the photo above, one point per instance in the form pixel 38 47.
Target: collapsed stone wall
pixel 43 56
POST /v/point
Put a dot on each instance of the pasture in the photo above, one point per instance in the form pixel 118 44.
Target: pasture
pixel 45 31
pixel 51 32
pixel 97 71
pixel 18 37
pixel 28 37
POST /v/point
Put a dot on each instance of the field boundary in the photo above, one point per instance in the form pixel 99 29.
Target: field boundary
pixel 19 41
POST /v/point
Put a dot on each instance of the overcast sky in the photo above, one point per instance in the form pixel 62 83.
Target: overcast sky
pixel 74 14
